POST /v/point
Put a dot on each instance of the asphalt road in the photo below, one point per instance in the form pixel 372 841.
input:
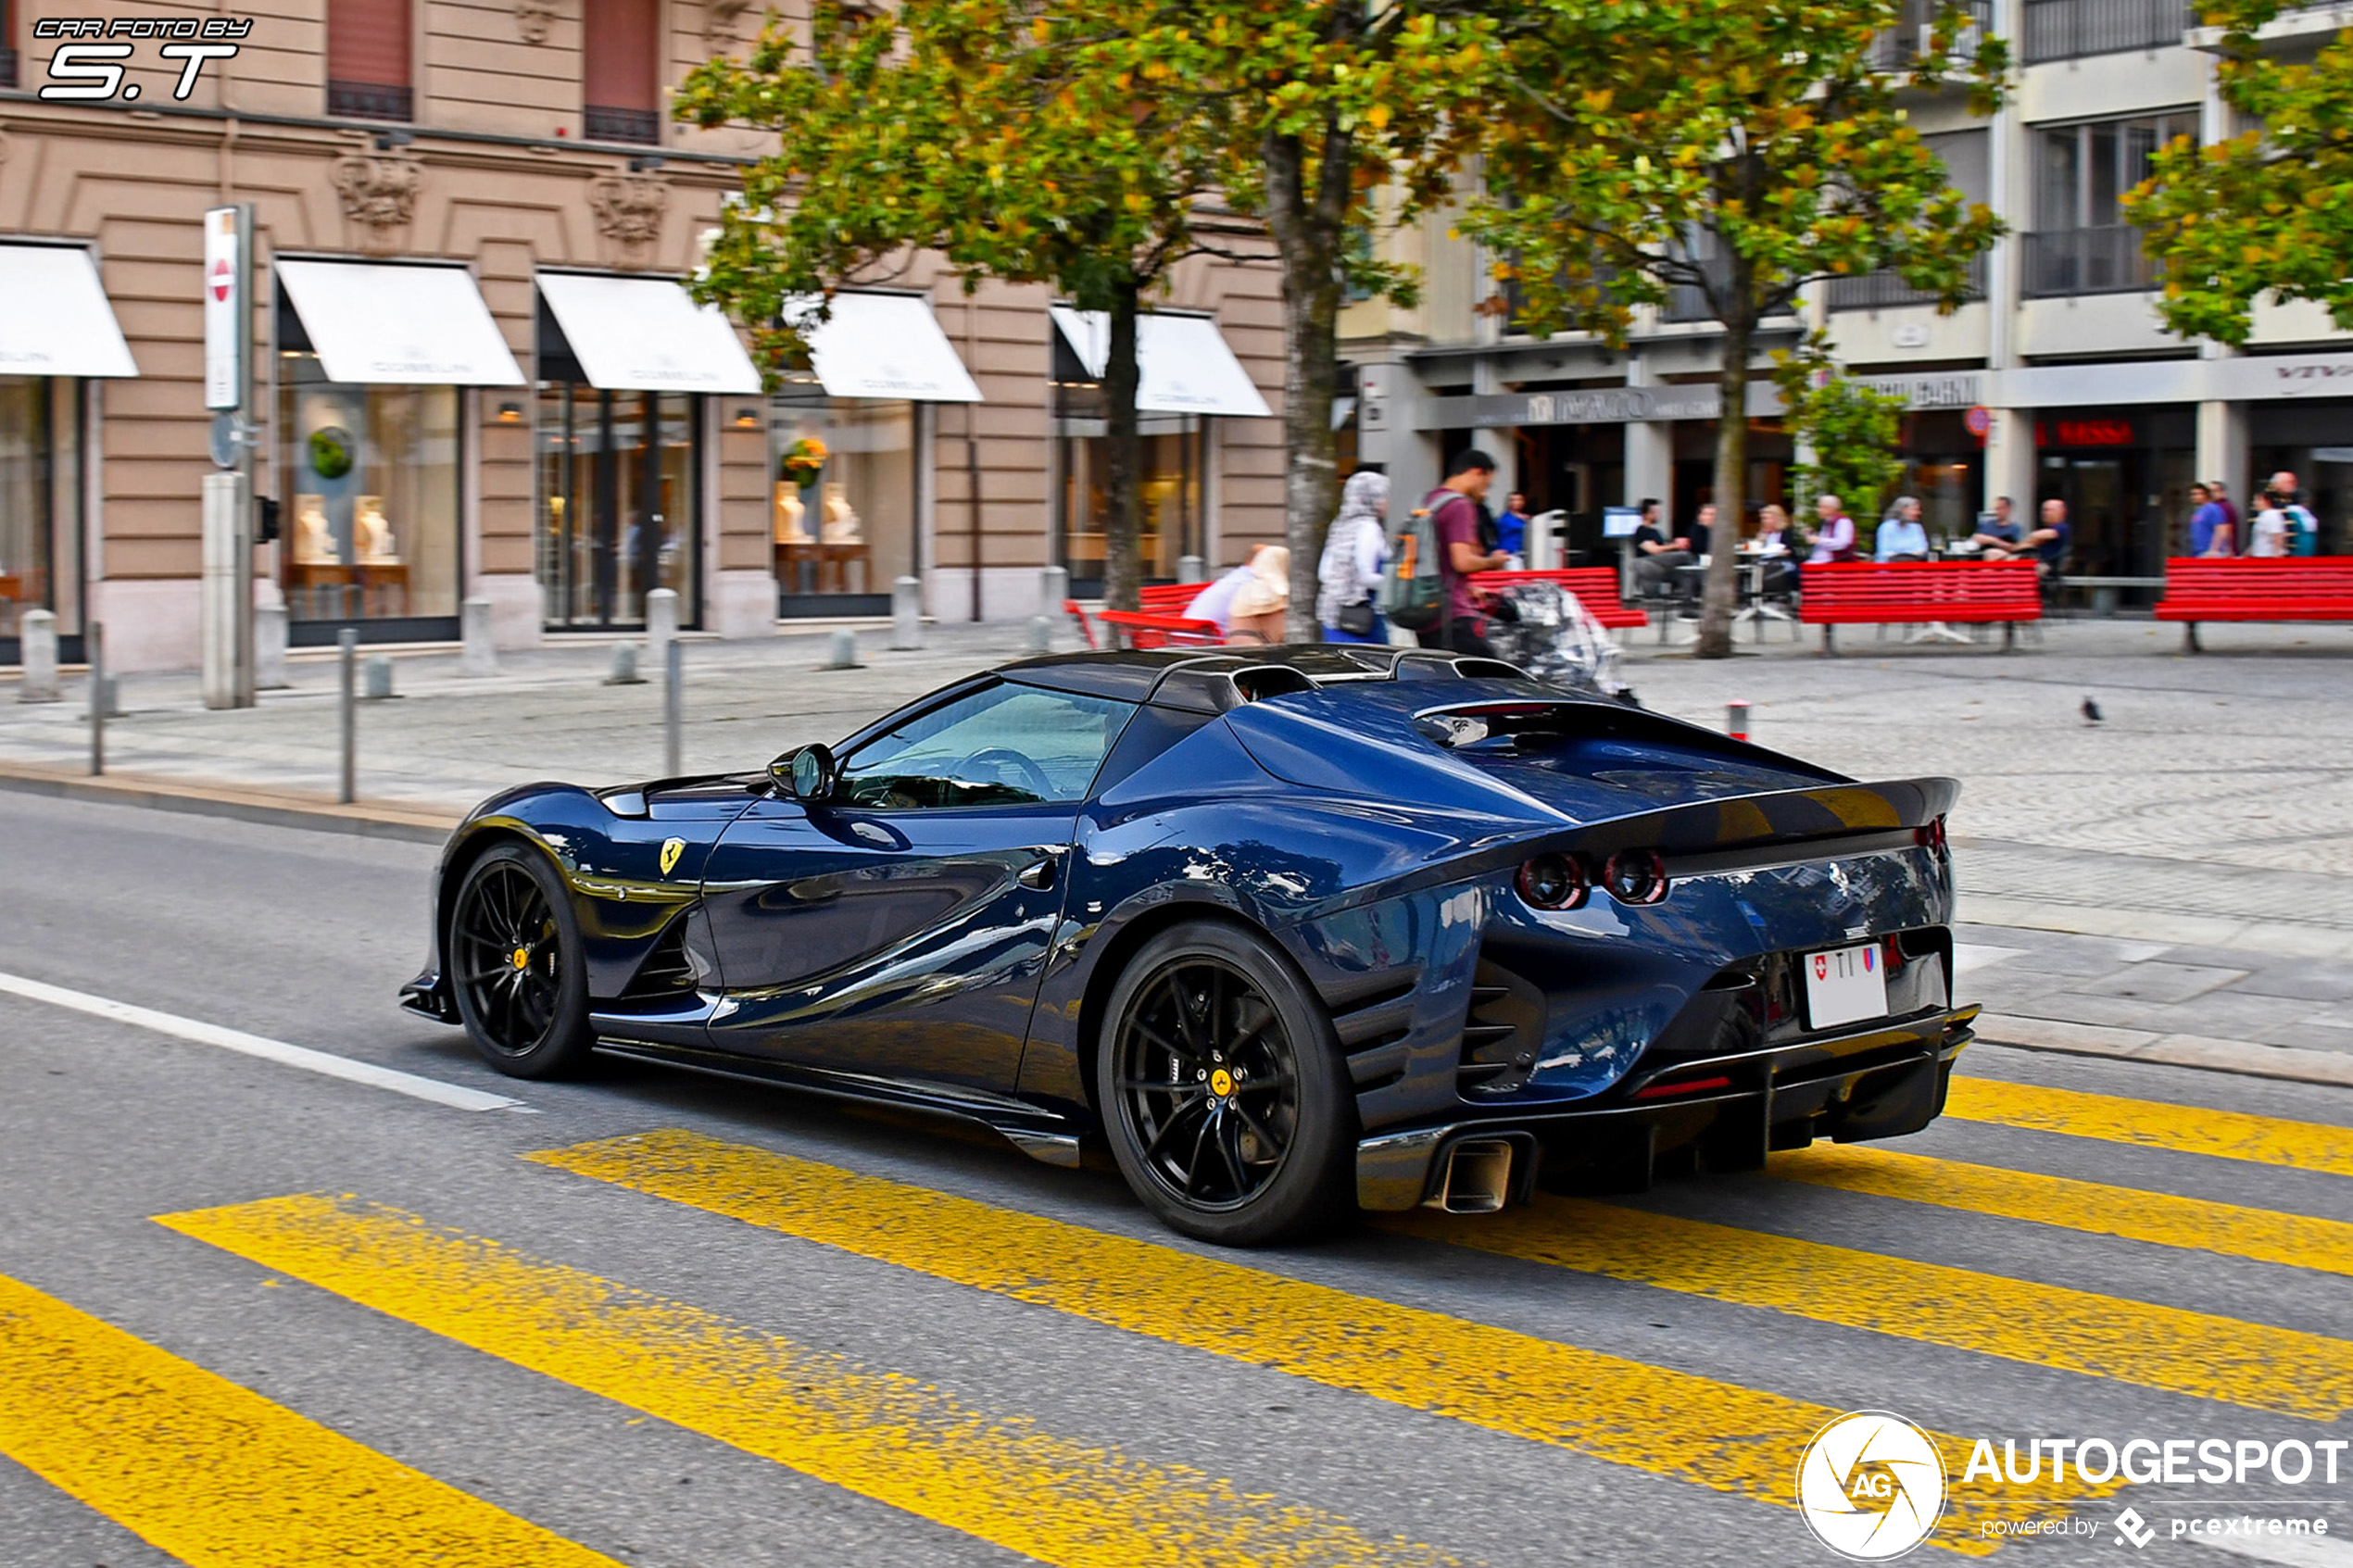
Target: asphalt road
pixel 253 1314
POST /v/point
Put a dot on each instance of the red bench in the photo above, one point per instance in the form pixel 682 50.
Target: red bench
pixel 1159 621
pixel 1910 593
pixel 1595 587
pixel 2291 588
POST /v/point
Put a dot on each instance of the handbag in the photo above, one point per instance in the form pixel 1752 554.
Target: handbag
pixel 1357 620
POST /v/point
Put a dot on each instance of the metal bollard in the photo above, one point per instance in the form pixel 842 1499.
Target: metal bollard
pixel 37 644
pixel 380 678
pixel 624 666
pixel 1041 633
pixel 1190 569
pixel 1054 589
pixel 674 700
pixel 1736 720
pixel 479 657
pixel 843 654
pixel 906 613
pixel 347 659
pixel 661 619
pixel 101 698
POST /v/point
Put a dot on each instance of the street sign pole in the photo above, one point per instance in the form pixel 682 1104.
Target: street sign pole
pixel 228 495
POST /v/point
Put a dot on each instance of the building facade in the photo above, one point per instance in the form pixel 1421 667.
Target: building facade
pixel 2086 397
pixel 477 374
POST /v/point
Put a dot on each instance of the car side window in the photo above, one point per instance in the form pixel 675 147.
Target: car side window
pixel 1005 744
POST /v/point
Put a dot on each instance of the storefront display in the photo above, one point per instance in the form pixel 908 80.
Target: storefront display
pixel 845 500
pixel 370 480
pixel 620 500
pixel 39 504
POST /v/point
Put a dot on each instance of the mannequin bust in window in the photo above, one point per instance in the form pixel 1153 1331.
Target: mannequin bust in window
pixel 789 512
pixel 313 546
pixel 370 533
pixel 841 520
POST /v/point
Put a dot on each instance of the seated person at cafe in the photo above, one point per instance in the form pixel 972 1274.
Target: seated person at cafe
pixel 1656 555
pixel 1776 547
pixel 1901 537
pixel 1834 541
pixel 2048 545
pixel 1249 602
pixel 1997 535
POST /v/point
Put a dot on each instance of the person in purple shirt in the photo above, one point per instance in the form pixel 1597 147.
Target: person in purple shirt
pixel 1453 509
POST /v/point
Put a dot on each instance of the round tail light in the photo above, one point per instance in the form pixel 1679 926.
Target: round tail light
pixel 1636 876
pixel 1931 838
pixel 1551 882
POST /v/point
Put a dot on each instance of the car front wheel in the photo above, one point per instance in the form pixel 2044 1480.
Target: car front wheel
pixel 514 964
pixel 1224 1094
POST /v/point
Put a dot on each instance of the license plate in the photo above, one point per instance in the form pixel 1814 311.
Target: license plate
pixel 1844 985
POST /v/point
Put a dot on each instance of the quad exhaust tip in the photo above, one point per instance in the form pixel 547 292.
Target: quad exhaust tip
pixel 1478 1177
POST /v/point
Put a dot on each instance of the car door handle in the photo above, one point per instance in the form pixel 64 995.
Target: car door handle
pixel 1038 874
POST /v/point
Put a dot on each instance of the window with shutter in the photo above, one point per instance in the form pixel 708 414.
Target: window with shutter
pixel 368 48
pixel 620 71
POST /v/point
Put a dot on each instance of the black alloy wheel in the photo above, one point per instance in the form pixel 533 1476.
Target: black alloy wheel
pixel 1223 1088
pixel 514 963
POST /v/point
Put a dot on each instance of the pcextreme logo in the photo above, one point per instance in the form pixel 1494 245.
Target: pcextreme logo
pixel 1871 1485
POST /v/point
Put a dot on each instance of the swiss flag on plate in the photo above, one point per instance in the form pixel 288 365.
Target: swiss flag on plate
pixel 1822 966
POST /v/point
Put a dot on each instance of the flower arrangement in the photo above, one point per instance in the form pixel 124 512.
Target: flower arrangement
pixel 804 460
pixel 330 452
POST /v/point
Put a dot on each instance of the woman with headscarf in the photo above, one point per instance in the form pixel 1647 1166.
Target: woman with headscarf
pixel 1346 602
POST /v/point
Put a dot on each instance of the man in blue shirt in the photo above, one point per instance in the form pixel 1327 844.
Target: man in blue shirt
pixel 2209 525
pixel 1511 528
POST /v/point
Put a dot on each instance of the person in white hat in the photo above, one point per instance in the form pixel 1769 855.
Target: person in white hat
pixel 1249 603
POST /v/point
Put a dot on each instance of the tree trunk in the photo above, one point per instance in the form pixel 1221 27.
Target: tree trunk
pixel 1123 454
pixel 1306 230
pixel 1732 475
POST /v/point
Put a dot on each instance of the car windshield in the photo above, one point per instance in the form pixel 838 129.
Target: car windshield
pixel 1005 744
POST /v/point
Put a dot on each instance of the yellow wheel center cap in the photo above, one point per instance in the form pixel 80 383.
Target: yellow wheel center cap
pixel 1221 1083
pixel 523 957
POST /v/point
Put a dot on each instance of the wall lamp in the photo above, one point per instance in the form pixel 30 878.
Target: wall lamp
pixel 511 413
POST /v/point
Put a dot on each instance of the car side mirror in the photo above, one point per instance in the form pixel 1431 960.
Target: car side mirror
pixel 806 774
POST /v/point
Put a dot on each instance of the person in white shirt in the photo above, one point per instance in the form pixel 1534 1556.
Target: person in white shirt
pixel 1901 537
pixel 2271 528
pixel 1835 539
pixel 1249 602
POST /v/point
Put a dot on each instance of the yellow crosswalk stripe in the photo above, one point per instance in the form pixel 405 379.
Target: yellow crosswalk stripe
pixel 2267 1235
pixel 882 1435
pixel 1722 1435
pixel 218 1477
pixel 2193 1353
pixel 2190 1129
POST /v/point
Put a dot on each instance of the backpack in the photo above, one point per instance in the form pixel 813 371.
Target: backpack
pixel 1413 592
pixel 2304 531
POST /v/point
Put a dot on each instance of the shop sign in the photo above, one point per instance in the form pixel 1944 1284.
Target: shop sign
pixel 224 309
pixel 2082 432
pixel 1954 390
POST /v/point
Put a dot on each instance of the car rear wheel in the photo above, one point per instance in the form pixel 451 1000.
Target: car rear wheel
pixel 1223 1090
pixel 514 964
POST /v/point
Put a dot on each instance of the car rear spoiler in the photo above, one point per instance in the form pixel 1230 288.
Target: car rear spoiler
pixel 1893 809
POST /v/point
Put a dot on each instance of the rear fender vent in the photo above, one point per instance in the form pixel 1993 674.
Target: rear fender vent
pixel 1373 1033
pixel 1503 1032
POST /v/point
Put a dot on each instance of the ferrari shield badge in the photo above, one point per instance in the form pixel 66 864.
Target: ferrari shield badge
pixel 670 849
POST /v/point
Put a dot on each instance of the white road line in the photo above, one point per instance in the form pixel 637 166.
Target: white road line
pixel 455 1096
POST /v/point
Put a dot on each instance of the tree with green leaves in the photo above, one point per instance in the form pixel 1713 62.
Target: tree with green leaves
pixel 1846 431
pixel 2269 211
pixel 1315 107
pixel 1012 137
pixel 1727 153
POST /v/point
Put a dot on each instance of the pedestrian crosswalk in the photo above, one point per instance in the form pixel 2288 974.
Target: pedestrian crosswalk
pixel 217 1475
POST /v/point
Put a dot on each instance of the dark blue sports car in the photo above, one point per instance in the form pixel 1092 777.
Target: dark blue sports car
pixel 1289 931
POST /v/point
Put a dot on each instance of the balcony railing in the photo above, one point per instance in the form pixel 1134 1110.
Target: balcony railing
pixel 600 123
pixel 2071 261
pixel 2070 30
pixel 369 100
pixel 1880 291
pixel 1901 46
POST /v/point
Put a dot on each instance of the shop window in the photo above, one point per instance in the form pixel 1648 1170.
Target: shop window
pixel 620 61
pixel 619 504
pixel 842 499
pixel 1169 485
pixel 40 502
pixel 2081 243
pixel 369 498
pixel 368 73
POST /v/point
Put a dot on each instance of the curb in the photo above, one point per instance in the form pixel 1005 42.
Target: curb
pixel 2248 1058
pixel 412 825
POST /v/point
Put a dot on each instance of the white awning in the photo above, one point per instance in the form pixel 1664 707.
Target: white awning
pixel 886 346
pixel 646 334
pixel 53 317
pixel 385 324
pixel 1187 366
